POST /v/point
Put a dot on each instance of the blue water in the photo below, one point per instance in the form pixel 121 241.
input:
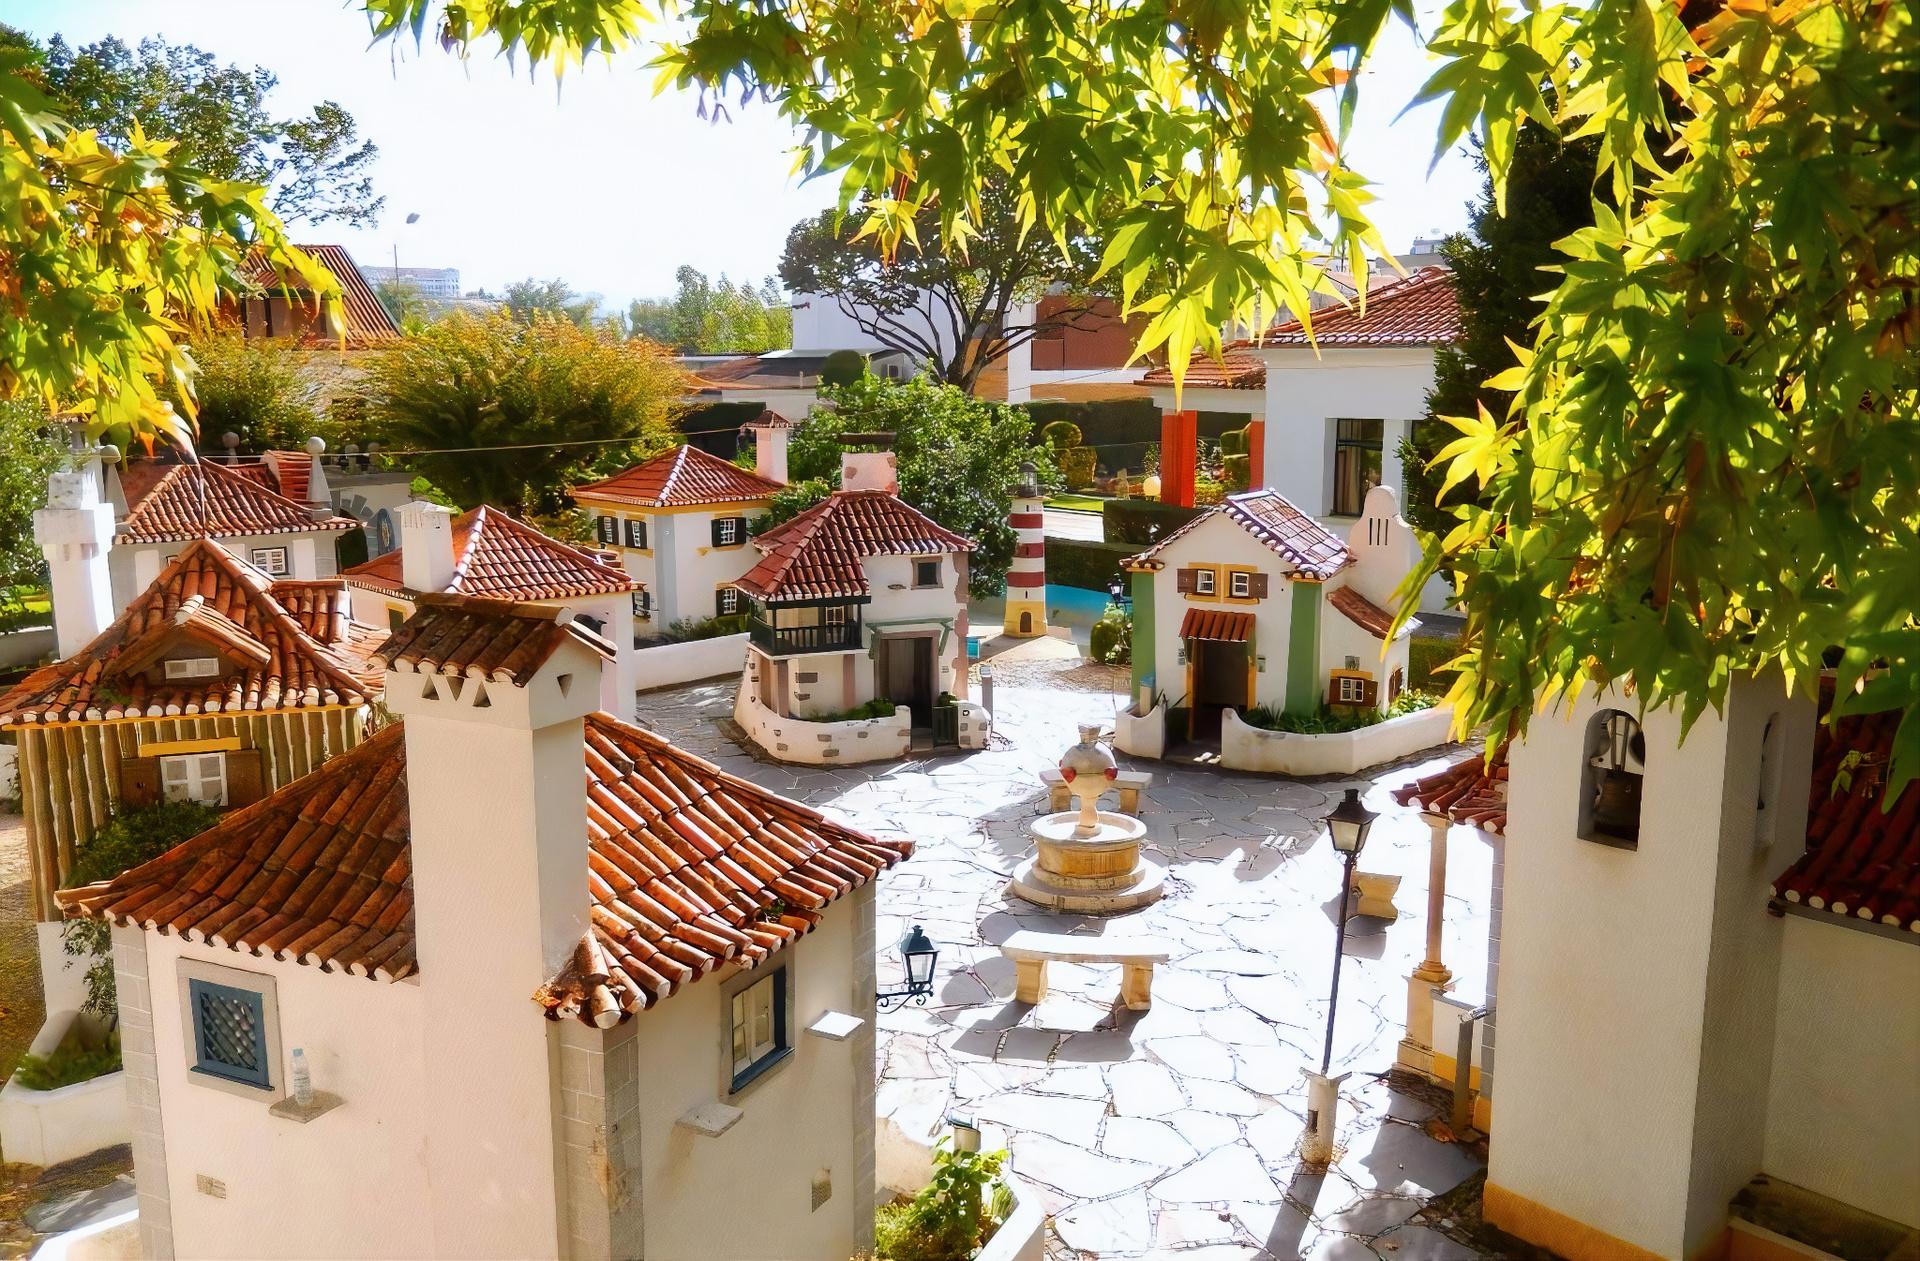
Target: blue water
pixel 1075 608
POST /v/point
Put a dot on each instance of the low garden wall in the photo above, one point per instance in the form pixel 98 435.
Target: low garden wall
pixel 45 1127
pixel 829 743
pixel 26 647
pixel 1245 748
pixel 976 724
pixel 1142 735
pixel 1023 1236
pixel 666 665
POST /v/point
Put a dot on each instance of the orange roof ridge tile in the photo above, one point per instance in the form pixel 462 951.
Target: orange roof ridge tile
pixel 817 554
pixel 1468 792
pixel 684 868
pixel 1419 309
pixel 684 476
pixel 496 555
pixel 1367 615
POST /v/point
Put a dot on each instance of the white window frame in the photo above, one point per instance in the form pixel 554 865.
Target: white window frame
pixel 729 601
pixel 191 668
pixel 202 777
pixel 280 569
pixel 1353 690
pixel 833 615
pixel 759 1027
pixel 233 978
pixel 1240 585
pixel 1205 582
pixel 729 531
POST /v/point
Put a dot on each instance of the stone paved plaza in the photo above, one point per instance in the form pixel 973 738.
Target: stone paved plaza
pixel 1170 1132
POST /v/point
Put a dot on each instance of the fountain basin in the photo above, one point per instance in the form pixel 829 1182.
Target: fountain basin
pixel 1101 874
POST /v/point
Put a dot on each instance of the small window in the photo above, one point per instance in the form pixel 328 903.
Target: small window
pixel 1352 691
pixel 926 573
pixel 396 618
pixel 728 531
pixel 729 601
pixel 1240 586
pixel 759 1027
pixel 272 560
pixel 1612 769
pixel 230 1033
pixel 606 529
pixel 1357 448
pixel 834 615
pixel 1204 581
pixel 200 777
pixel 193 668
pixel 643 605
pixel 636 533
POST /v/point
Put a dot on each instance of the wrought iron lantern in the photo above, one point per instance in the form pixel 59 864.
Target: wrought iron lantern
pixel 1349 824
pixel 919 953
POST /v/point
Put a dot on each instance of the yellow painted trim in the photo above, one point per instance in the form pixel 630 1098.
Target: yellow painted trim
pixel 163 748
pixel 1483 1114
pixel 1555 1231
pixel 1445 1066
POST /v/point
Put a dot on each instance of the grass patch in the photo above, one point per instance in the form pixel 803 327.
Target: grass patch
pixel 1077 503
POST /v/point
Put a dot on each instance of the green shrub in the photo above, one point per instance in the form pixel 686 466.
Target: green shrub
pixel 78 1058
pixel 1060 434
pixel 878 707
pixel 1142 521
pixel 1085 564
pixel 1111 640
pixel 1234 442
pixel 950 1218
pixel 1238 470
pixel 688 629
pixel 1326 721
pixel 1427 656
pixel 1411 702
pixel 843 367
pixel 1077 465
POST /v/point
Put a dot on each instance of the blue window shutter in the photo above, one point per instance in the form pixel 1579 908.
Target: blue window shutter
pixel 230 1033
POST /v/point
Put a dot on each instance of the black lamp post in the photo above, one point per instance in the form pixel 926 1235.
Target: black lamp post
pixel 1117 592
pixel 1348 825
pixel 919 954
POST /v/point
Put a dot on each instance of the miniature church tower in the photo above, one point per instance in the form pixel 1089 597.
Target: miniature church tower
pixel 1027 579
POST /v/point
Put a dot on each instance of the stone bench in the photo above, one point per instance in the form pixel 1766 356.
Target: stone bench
pixel 1031 952
pixel 1130 783
pixel 1373 895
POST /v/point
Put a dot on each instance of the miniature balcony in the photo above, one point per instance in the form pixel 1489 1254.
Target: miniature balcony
pixel 779 639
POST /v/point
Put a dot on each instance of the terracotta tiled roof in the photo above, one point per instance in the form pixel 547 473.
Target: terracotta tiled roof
pixel 495 639
pixel 682 477
pixel 170 503
pixel 314 655
pixel 1218 625
pixel 1313 550
pixel 683 868
pixel 1469 791
pixel 769 419
pixel 1418 310
pixel 367 320
pixel 817 555
pixel 1863 853
pixel 1367 615
pixel 499 557
pixel 1235 370
pixel 761 372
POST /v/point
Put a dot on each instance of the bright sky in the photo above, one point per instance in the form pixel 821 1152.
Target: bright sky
pixel 601 182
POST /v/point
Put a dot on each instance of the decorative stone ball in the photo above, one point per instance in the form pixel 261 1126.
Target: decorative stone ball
pixel 316 446
pixel 109 454
pixel 1089 758
pixel 230 440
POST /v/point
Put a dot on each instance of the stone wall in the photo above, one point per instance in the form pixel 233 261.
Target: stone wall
pixel 599 1139
pixel 824 743
pixel 141 1069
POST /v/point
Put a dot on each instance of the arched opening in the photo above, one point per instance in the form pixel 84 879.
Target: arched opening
pixel 1612 771
pixel 1026 623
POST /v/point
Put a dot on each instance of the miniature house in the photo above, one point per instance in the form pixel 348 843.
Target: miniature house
pixel 1708 972
pixel 554 1009
pixel 679 523
pixel 1256 603
pixel 861 597
pixel 487 553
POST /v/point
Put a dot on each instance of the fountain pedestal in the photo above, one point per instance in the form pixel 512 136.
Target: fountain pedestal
pixel 1101 874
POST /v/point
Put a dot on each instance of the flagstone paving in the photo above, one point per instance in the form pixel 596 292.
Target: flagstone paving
pixel 1170 1132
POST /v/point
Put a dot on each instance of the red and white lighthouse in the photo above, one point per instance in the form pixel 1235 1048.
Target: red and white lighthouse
pixel 1027 579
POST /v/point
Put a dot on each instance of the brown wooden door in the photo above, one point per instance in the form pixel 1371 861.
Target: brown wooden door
pixel 1219 681
pixel 906 674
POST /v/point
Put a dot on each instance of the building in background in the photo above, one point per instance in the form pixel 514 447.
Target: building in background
pixel 441 284
pixel 555 983
pixel 280 307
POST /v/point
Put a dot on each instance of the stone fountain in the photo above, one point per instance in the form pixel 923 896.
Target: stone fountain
pixel 1088 860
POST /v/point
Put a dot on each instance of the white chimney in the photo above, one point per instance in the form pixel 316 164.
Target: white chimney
pixel 75 531
pixel 319 494
pixel 770 434
pixel 426 546
pixel 499 875
pixel 869 470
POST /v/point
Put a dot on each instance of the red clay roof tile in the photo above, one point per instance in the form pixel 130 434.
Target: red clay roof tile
pixel 366 317
pixel 682 477
pixel 170 503
pixel 1217 625
pixel 1235 370
pixel 1313 550
pixel 1367 615
pixel 314 654
pixel 496 556
pixel 818 554
pixel 1420 309
pixel 1469 792
pixel 497 639
pixel 1863 851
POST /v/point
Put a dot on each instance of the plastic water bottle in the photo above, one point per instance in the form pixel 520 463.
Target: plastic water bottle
pixel 302 1080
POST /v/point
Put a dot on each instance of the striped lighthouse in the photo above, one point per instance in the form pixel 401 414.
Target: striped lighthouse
pixel 1027 580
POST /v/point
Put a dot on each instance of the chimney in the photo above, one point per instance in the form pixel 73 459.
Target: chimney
pixel 426 546
pixel 770 433
pixel 499 874
pixel 75 532
pixel 319 494
pixel 869 470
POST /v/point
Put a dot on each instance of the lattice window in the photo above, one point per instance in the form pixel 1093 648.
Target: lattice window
pixel 230 1033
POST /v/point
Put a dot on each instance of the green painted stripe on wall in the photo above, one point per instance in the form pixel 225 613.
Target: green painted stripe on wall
pixel 1303 649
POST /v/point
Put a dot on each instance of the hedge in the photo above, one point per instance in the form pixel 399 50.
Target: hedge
pixel 1084 563
pixel 1138 522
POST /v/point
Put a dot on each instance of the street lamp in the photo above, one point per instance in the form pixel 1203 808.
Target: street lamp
pixel 1117 592
pixel 919 953
pixel 1347 825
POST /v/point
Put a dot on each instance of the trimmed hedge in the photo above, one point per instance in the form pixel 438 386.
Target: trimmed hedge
pixel 1085 564
pixel 1139 522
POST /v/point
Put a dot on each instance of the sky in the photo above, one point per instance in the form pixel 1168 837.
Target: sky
pixel 600 182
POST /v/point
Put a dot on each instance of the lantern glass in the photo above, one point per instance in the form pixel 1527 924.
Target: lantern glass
pixel 1349 823
pixel 919 953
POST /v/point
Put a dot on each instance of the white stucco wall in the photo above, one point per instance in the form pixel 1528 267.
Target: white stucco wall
pixel 665 665
pixel 819 743
pixel 897 606
pixel 351 1183
pixel 1637 986
pixel 1218 541
pixel 795 1122
pixel 1844 1104
pixel 134 566
pixel 1307 393
pixel 1341 637
pixel 1245 748
pixel 680 565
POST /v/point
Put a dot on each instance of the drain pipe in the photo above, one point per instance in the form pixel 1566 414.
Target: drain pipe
pixel 1463 1069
